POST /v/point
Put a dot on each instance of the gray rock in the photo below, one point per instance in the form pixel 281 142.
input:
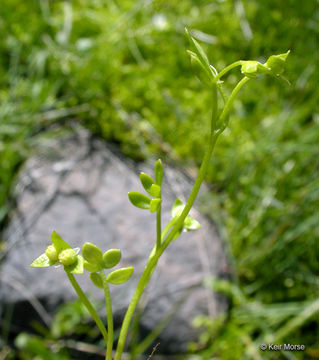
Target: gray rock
pixel 78 187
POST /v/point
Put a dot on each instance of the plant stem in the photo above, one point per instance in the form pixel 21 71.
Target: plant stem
pixel 109 316
pixel 88 305
pixel 201 174
pixel 158 226
pixel 229 103
pixel 144 279
pixel 226 69
pixel 153 259
pixel 168 226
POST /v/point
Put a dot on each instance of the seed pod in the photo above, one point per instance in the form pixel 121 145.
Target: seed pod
pixel 155 203
pixel 155 190
pixel 120 276
pixel 67 257
pixel 139 200
pixel 96 280
pixel 90 267
pixel 158 171
pixel 52 253
pixel 146 181
pixel 111 258
pixel 92 253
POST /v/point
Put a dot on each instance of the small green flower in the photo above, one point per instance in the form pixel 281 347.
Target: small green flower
pixel 274 66
pixel 60 253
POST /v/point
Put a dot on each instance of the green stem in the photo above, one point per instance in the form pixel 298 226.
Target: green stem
pixel 153 259
pixel 109 316
pixel 168 226
pixel 201 174
pixel 144 279
pixel 229 104
pixel 88 305
pixel 158 227
pixel 226 69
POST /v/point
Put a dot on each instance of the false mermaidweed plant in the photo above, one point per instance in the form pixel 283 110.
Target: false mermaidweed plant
pixel 96 262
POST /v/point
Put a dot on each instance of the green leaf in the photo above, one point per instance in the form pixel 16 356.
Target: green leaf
pixel 158 172
pixel 91 267
pixel 146 181
pixel 177 208
pixel 92 253
pixel 139 200
pixel 155 203
pixel 201 56
pixel 120 276
pixel 42 261
pixel 155 190
pixel 199 68
pixel 96 280
pixel 191 224
pixel 58 242
pixel 111 258
pixel 77 267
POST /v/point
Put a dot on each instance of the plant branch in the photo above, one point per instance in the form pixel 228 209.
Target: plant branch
pixel 227 69
pixel 109 316
pixel 229 104
pixel 88 305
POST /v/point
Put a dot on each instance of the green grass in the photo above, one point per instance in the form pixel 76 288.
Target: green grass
pixel 121 70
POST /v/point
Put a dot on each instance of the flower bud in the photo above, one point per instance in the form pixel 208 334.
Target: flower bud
pixel 51 253
pixel 67 257
pixel 276 63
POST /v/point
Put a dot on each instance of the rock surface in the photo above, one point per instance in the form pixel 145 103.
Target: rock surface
pixel 78 187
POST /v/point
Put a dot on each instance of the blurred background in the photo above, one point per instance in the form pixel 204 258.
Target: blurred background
pixel 120 69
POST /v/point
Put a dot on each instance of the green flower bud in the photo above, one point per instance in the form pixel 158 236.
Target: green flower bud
pixel 276 63
pixel 67 257
pixel 51 253
pixel 253 68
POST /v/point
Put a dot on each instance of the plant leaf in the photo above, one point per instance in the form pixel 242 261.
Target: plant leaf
pixel 92 253
pixel 139 200
pixel 77 267
pixel 96 280
pixel 201 56
pixel 177 208
pixel 158 172
pixel 155 203
pixel 155 190
pixel 199 68
pixel 120 276
pixel 111 258
pixel 146 181
pixel 42 261
pixel 58 242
